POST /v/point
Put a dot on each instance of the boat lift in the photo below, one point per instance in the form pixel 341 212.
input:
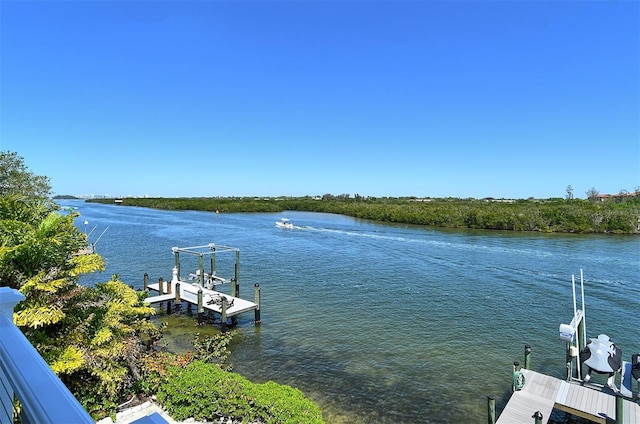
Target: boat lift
pixel 202 292
pixel 575 336
pixel 210 279
pixel 575 333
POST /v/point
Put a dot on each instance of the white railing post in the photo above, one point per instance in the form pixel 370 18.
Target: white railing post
pixel 43 396
pixel 9 298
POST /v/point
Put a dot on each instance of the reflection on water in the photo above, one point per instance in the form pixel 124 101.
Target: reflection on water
pixel 388 323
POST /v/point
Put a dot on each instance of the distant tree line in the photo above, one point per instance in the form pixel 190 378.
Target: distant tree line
pixel 553 215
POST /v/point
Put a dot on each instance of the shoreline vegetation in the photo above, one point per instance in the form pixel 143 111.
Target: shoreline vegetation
pixel 612 215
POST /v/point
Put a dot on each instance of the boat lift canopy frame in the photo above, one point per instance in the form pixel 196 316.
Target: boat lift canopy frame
pixel 210 250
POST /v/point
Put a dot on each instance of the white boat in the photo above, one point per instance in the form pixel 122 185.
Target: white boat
pixel 284 223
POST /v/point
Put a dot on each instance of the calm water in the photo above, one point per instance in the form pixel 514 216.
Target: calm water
pixel 386 323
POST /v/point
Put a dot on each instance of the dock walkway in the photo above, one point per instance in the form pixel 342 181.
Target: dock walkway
pixel 189 293
pixel 544 393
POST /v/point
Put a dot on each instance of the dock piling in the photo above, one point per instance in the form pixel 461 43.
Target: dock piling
pixel 619 409
pixel 537 416
pixel 491 410
pixel 581 345
pixel 235 283
pixel 161 287
pixel 212 259
pixel 223 319
pixel 200 270
pixel 569 360
pixel 527 357
pixel 178 300
pixel 256 289
pixel 176 259
pixel 200 308
pixel 146 282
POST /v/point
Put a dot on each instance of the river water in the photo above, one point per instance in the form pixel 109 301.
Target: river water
pixel 382 323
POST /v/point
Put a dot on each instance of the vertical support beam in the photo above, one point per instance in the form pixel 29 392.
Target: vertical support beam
pixel 619 409
pixel 169 284
pixel 491 410
pixel 146 282
pixel 213 259
pixel 160 286
pixel 223 324
pixel 537 416
pixel 569 360
pixel 200 308
pixel 235 284
pixel 581 345
pixel 256 290
pixel 178 301
pixel 201 271
pixel 527 357
pixel 582 336
pixel 176 258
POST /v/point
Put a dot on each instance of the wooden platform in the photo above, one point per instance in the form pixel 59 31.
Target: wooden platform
pixel 544 393
pixel 189 293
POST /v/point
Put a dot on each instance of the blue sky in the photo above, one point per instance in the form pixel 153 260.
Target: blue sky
pixel 506 99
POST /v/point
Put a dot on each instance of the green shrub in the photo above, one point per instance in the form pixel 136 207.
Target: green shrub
pixel 214 349
pixel 206 392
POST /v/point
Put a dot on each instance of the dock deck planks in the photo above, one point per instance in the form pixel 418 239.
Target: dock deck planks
pixel 544 393
pixel 189 293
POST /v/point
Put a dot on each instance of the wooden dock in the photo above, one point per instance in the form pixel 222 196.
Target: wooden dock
pixel 188 292
pixel 544 393
pixel 201 292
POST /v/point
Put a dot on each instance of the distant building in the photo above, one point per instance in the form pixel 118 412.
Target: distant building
pixel 614 197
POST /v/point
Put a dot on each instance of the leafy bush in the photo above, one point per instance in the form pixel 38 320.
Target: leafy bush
pixel 214 349
pixel 157 368
pixel 206 392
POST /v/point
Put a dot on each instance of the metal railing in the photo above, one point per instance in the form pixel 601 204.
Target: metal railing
pixel 24 373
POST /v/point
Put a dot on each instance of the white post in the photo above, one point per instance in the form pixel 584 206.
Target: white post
pixel 9 298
